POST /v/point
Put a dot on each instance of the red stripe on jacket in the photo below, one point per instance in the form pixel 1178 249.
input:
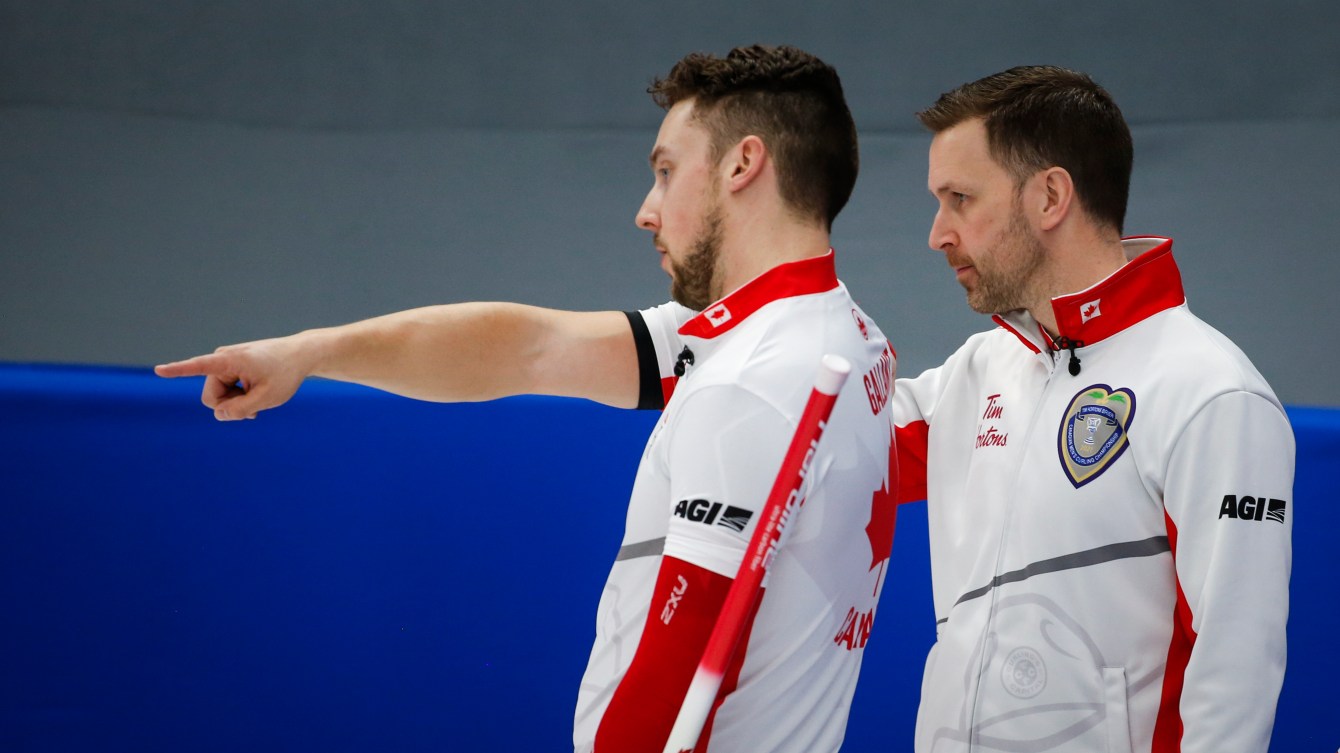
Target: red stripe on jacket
pixel 1168 723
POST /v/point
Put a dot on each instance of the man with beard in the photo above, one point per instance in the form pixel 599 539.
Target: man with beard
pixel 1105 578
pixel 754 159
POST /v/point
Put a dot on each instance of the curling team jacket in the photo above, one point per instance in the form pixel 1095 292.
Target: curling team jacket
pixel 733 381
pixel 1110 522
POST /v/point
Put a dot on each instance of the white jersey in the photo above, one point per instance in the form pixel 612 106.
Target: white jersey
pixel 748 364
pixel 1110 539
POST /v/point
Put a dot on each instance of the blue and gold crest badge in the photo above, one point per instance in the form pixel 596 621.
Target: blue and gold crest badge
pixel 1093 431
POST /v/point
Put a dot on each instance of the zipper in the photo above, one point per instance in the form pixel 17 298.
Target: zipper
pixel 985 647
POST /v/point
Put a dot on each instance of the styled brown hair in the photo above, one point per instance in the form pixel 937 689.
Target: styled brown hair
pixel 791 100
pixel 1041 116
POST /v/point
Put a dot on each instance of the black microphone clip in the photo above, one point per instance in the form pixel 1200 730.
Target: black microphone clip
pixel 1065 343
pixel 685 357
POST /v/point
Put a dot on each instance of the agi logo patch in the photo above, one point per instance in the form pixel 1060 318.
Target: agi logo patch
pixel 1093 431
pixel 1252 508
pixel 709 512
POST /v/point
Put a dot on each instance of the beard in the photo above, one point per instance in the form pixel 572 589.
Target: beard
pixel 693 280
pixel 1007 275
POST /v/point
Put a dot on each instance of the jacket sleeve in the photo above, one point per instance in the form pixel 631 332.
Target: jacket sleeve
pixel 913 404
pixel 656 337
pixel 1228 500
pixel 725 448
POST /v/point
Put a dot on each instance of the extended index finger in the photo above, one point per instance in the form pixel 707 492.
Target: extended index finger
pixel 212 364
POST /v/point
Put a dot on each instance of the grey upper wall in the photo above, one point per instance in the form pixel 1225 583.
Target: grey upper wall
pixel 519 64
pixel 177 175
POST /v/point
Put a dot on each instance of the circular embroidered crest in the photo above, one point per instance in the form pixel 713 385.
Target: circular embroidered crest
pixel 1024 674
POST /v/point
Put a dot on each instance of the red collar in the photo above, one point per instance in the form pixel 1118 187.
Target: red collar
pixel 804 277
pixel 1144 286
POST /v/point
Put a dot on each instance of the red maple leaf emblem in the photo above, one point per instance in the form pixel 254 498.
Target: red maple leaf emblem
pixel 1089 311
pixel 883 515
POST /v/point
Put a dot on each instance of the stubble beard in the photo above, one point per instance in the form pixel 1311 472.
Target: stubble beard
pixel 693 281
pixel 1007 282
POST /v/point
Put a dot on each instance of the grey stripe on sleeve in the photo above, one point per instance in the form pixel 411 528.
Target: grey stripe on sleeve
pixel 648 548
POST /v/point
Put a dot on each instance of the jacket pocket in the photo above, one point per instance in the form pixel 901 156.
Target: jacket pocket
pixel 1118 725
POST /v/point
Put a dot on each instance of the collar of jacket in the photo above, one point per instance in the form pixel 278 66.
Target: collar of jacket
pixel 816 274
pixel 1145 285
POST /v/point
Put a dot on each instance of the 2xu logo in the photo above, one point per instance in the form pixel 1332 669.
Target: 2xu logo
pixel 1252 508
pixel 676 593
pixel 708 512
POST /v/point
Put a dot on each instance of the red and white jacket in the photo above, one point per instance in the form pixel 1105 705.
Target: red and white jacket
pixel 747 365
pixel 1110 528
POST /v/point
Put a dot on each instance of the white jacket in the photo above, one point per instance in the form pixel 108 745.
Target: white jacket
pixel 1110 549
pixel 740 373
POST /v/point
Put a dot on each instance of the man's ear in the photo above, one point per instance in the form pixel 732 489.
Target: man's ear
pixel 744 163
pixel 1054 196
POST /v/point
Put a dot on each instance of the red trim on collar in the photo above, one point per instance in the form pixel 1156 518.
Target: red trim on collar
pixel 1000 320
pixel 803 277
pixel 1144 286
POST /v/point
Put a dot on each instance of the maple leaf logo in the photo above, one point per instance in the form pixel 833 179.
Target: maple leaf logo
pixel 718 315
pixel 883 515
pixel 1089 311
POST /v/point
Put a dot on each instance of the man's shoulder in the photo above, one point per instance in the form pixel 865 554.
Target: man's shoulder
pixel 801 331
pixel 1182 347
pixel 669 316
pixel 776 354
pixel 997 347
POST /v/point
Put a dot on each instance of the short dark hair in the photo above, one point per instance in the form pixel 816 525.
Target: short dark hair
pixel 791 100
pixel 1040 116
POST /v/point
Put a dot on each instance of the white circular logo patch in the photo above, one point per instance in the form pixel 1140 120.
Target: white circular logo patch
pixel 1024 675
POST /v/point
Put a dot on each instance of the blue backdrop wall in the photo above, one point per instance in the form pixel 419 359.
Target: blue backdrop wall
pixel 361 572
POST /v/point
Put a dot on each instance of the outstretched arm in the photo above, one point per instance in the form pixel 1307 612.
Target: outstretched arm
pixel 453 353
